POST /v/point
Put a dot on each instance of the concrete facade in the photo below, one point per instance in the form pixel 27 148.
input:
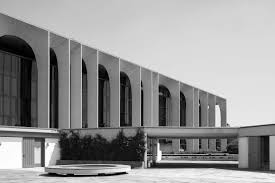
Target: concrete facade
pixel 71 54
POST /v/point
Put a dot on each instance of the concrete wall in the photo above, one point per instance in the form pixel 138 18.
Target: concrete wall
pixel 272 152
pixel 243 152
pixel 10 152
pixel 52 151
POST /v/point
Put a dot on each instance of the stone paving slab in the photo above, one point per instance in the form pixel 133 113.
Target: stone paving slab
pixel 185 175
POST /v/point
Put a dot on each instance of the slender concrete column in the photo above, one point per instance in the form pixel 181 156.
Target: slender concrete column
pixel 272 152
pixel 222 104
pixel 89 56
pixel 133 72
pixel 196 118
pixel 212 118
pixel 76 84
pixel 61 48
pixel 156 153
pixel 243 152
pixel 155 82
pixel 112 66
pixel 188 92
pixel 145 159
pixel 43 67
pixel 146 78
pixel 204 117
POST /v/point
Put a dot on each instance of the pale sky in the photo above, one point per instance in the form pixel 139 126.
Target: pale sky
pixel 224 47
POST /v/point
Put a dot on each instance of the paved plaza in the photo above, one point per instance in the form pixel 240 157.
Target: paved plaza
pixel 192 175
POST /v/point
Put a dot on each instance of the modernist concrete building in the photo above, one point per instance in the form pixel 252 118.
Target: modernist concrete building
pixel 49 82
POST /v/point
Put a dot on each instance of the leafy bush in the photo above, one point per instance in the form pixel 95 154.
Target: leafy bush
pixel 122 148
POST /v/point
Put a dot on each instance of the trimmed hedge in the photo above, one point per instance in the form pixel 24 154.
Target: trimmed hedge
pixel 122 148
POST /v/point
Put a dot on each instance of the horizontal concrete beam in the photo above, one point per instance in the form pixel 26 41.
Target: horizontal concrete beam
pixel 28 132
pixel 183 132
pixel 259 130
pixel 165 132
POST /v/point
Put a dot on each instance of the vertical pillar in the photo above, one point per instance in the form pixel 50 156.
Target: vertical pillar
pixel 43 68
pixel 175 90
pixel 272 152
pixel 155 94
pixel 243 152
pixel 61 47
pixel 196 117
pixel 145 160
pixel 223 123
pixel 76 84
pixel 212 118
pixel 146 78
pixel 204 117
pixel 156 153
pixel 90 57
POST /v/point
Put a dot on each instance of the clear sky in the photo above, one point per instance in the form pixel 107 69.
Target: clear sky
pixel 224 47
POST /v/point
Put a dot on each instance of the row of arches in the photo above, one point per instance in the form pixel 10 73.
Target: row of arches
pixel 18 91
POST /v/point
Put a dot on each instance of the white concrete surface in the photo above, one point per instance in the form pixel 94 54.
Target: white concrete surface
pixel 52 151
pixel 10 152
pixel 243 152
pixel 272 152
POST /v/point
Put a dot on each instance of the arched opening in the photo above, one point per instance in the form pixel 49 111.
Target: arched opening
pixel 182 110
pixel 183 146
pixel 200 124
pixel 103 97
pixel 142 103
pixel 164 106
pixel 218 144
pixel 18 83
pixel 84 96
pixel 53 90
pixel 218 116
pixel 125 100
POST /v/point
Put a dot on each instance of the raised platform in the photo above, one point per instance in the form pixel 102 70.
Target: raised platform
pixel 88 169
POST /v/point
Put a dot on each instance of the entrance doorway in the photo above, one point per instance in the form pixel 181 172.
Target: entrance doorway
pixel 33 152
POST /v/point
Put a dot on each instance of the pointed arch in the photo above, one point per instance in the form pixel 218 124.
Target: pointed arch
pixel 125 100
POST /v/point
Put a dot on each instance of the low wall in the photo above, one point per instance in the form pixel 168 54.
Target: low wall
pixel 201 157
pixel 133 164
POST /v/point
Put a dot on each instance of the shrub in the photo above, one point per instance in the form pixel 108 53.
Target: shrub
pixel 122 148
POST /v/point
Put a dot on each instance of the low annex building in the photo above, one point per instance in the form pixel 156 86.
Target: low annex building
pixel 49 82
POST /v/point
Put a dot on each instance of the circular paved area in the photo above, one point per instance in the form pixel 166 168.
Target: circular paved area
pixel 192 175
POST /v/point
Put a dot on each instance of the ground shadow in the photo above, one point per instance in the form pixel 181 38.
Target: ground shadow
pixel 72 175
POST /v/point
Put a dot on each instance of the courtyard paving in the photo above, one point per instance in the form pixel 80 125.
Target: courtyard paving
pixel 192 175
